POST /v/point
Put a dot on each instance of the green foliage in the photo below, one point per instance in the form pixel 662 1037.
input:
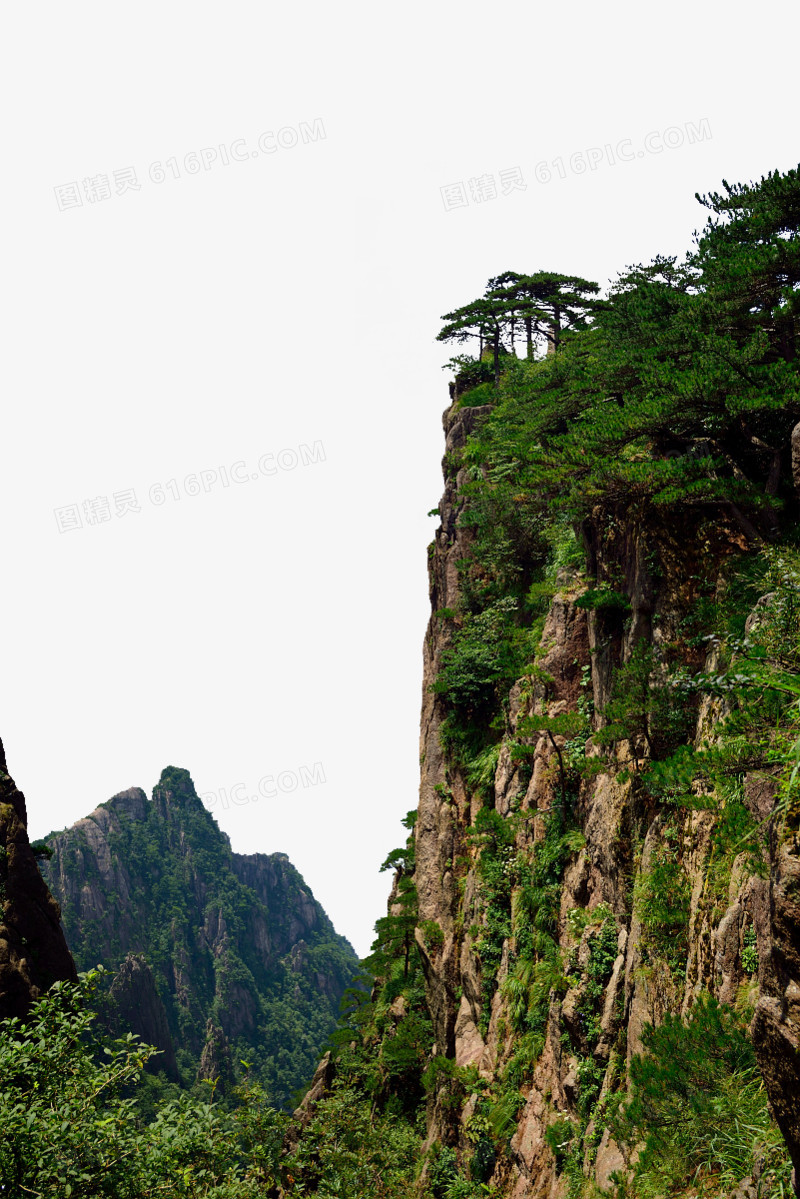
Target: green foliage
pixel 750 951
pixel 348 1149
pixel 559 1137
pixel 537 972
pixel 72 1123
pixel 602 955
pixel 683 391
pixel 603 599
pixel 484 393
pixel 483 1160
pixel 735 832
pixel 645 709
pixel 395 931
pixel 470 372
pixel 486 656
pixel 698 1105
pixel 442 1170
pixel 432 932
pixel 662 898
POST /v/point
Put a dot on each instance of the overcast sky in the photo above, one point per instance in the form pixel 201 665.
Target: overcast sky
pixel 230 232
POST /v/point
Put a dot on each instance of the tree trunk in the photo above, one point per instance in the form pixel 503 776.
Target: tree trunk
pixel 554 337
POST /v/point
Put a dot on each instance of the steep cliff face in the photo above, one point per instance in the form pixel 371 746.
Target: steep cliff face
pixel 653 906
pixel 444 805
pixel 33 952
pixel 207 944
pixel 137 1007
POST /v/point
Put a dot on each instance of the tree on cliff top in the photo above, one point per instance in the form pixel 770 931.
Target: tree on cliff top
pixel 684 389
pixel 486 319
pixel 546 303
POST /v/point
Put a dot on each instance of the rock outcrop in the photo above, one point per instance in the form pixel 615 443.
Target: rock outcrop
pixel 138 1008
pixel 216 1062
pixel 33 951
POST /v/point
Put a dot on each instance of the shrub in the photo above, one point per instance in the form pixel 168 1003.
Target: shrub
pixel 72 1125
pixel 698 1105
pixel 662 900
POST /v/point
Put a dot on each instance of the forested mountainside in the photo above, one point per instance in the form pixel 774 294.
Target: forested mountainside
pixel 218 956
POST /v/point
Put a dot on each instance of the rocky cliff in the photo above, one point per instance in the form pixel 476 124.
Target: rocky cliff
pixel 542 1000
pixel 33 952
pixel 208 946
pixel 587 978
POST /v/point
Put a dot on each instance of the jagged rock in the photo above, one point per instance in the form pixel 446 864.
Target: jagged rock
pixel 470 1045
pixel 726 959
pixel 570 1008
pixel 760 793
pixel 609 1160
pixel 613 993
pixel 321 1083
pixel 398 1008
pixel 565 645
pixel 216 1062
pixel 139 1009
pixel 33 950
pixel 435 830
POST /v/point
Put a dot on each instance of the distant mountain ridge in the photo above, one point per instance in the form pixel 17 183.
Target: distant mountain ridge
pixel 213 945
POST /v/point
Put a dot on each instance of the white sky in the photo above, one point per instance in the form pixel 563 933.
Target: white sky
pixel 284 300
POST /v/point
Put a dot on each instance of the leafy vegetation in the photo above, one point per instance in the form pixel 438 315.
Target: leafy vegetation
pixel 698 1105
pixel 72 1125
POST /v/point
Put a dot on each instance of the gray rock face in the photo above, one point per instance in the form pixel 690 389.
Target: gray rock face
pixel 139 1009
pixel 438 821
pixel 216 1063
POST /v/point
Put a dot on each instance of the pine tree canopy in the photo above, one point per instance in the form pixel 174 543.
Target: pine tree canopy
pixel 681 387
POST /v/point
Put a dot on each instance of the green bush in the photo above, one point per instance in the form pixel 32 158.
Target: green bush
pixel 662 899
pixel 72 1126
pixel 698 1106
pixel 442 1169
pixel 603 599
pixel 559 1137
